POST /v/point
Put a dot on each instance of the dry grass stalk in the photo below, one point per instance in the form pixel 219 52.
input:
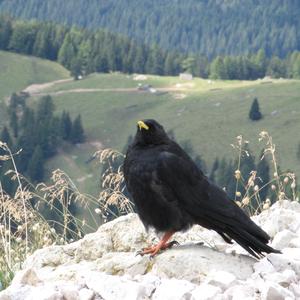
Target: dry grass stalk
pixel 279 183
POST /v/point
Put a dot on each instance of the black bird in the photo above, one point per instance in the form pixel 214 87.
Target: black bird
pixel 171 194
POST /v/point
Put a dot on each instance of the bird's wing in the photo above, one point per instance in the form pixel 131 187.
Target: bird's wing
pixel 209 205
pixel 194 193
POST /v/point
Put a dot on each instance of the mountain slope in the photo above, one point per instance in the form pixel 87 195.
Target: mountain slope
pixel 208 26
pixel 210 114
pixel 19 71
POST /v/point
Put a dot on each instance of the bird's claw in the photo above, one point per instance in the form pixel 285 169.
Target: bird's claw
pixel 140 252
pixel 173 243
pixel 153 250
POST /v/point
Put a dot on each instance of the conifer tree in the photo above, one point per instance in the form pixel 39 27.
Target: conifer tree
pixel 254 113
pixel 76 68
pixel 140 60
pixel 295 68
pixel 169 67
pixel 188 65
pixel 5 31
pixel 260 62
pixel 77 134
pixel 67 51
pixel 35 168
pixel 276 68
pixel 217 69
pixel 13 123
pixel 13 102
pixel 45 111
pixel 66 126
pixel 5 137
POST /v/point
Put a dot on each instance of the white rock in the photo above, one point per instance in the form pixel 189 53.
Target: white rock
pixel 295 288
pixel 103 265
pixel 16 292
pixel 193 263
pixel 45 292
pixel 69 291
pixel 115 288
pixel 126 233
pixel 173 289
pixel 287 204
pixel 295 243
pixel 284 261
pixel 284 278
pixel 264 266
pixel 93 246
pixel 27 277
pixel 205 292
pixel 276 220
pixel 274 291
pixel 292 253
pixel 255 281
pixel 282 239
pixel 149 281
pixel 51 256
pixel 240 292
pixel 221 279
pixel 119 263
pixel 86 294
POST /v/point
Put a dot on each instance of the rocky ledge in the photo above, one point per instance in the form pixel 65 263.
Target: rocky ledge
pixel 104 265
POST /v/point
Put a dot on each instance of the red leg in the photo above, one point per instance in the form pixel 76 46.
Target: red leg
pixel 163 244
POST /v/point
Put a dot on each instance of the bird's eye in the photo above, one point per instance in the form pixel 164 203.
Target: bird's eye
pixel 152 128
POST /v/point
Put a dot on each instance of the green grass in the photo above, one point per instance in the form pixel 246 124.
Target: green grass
pixel 211 115
pixel 113 80
pixel 19 71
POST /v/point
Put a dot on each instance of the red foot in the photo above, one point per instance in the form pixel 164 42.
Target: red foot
pixel 162 245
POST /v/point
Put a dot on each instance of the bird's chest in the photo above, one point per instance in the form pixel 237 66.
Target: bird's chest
pixel 141 178
pixel 141 173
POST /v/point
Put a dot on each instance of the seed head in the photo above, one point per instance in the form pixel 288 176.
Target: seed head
pixel 246 201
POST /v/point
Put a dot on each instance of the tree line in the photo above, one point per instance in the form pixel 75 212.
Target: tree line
pixel 38 132
pixel 255 66
pixel 83 52
pixel 208 27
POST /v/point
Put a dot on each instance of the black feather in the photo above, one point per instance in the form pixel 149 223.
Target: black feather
pixel 171 194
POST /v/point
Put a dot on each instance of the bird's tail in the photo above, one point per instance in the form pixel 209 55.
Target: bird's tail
pixel 256 245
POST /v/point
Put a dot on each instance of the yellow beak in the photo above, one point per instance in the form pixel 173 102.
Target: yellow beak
pixel 141 125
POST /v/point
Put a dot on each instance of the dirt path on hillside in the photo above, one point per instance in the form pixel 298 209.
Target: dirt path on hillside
pixel 37 92
pixel 38 88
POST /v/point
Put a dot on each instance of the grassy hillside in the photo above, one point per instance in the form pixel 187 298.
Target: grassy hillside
pixel 19 71
pixel 208 113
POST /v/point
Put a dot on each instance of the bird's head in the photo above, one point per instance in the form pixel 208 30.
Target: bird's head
pixel 150 132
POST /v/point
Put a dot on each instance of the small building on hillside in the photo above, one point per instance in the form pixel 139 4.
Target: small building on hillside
pixel 186 76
